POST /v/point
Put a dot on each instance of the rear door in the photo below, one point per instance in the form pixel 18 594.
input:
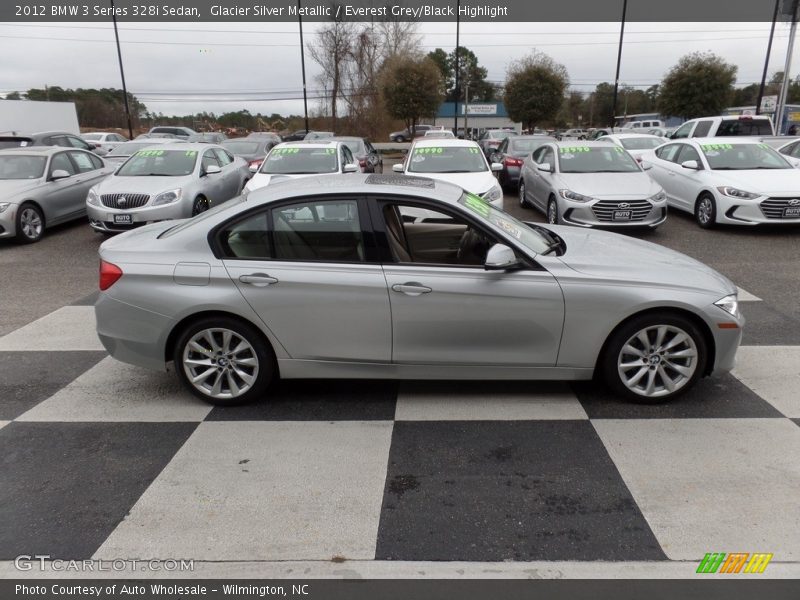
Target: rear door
pixel 213 185
pixel 309 269
pixel 664 172
pixel 59 204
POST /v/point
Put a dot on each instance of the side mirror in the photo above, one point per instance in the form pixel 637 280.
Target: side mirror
pixel 500 258
pixel 59 174
pixel 351 168
pixel 253 168
pixel 496 166
pixel 397 168
pixel 92 146
pixel 646 166
pixel 545 167
pixel 212 170
pixel 690 164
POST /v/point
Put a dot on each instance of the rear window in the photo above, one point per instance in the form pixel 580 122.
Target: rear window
pixel 14 142
pixel 744 127
pixel 641 143
pixel 242 147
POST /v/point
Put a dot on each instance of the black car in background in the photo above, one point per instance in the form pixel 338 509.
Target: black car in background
pixel 45 138
pixel 253 149
pixel 511 152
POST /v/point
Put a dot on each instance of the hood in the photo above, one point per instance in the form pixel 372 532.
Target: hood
pixel 116 184
pixel 621 258
pixel 769 182
pixel 610 185
pixel 477 183
pixel 15 187
pixel 260 180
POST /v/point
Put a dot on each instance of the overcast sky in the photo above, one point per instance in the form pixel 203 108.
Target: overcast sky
pixel 181 68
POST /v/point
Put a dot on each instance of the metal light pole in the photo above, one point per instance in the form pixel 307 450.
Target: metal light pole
pixel 458 67
pixel 466 110
pixel 122 72
pixel 766 61
pixel 780 108
pixel 619 61
pixel 303 64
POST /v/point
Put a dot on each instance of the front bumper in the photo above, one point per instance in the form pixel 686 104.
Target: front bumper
pixel 101 218
pixel 761 211
pixel 604 213
pixel 8 222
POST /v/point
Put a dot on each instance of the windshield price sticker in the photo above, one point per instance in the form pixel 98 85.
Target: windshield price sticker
pixel 707 147
pixel 573 149
pixel 477 204
pixel 287 151
pixel 474 151
pixel 327 150
pixel 509 228
pixel 189 152
pixel 428 150
pixel 150 153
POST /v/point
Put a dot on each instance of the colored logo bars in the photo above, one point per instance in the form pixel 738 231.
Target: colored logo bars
pixel 735 562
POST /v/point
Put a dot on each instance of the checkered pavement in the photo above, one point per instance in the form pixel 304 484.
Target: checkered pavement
pixel 105 460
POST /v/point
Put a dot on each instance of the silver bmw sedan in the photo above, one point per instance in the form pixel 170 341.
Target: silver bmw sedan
pixel 334 277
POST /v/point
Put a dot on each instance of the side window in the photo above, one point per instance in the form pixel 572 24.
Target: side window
pixel 327 230
pixel 683 131
pixel 248 238
pixel 59 140
pixel 346 156
pixel 96 161
pixel 424 236
pixel 538 155
pixel 83 161
pixel 223 157
pixel 688 153
pixel 549 158
pixel 796 150
pixel 77 142
pixel 702 129
pixel 669 152
pixel 61 162
pixel 209 159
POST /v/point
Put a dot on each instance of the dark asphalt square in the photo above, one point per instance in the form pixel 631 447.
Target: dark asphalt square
pixel 507 490
pixel 318 400
pixel 66 486
pixel 765 326
pixel 719 397
pixel 27 378
pixel 796 422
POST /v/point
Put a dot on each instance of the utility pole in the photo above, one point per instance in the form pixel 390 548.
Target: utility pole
pixel 766 61
pixel 458 67
pixel 619 61
pixel 781 108
pixel 303 63
pixel 466 110
pixel 122 71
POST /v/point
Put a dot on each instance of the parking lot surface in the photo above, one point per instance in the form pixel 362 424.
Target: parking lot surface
pixel 106 460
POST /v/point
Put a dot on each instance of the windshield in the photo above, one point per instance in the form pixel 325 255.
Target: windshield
pixel 642 143
pixel 595 159
pixel 526 236
pixel 20 166
pixel 300 161
pixel 742 157
pixel 159 163
pixel 447 159
pixel 733 127
pixel 128 148
pixel 92 136
pixel 241 147
pixel 501 134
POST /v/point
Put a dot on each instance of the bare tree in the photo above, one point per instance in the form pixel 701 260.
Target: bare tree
pixel 331 50
pixel 399 38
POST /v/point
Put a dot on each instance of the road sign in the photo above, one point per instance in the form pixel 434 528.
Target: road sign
pixel 768 104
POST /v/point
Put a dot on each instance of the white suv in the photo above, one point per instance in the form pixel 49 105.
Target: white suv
pixel 728 126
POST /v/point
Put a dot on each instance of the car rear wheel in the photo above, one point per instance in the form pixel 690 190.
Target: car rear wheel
pixel 400 139
pixel 654 358
pixel 200 205
pixel 224 361
pixel 705 211
pixel 552 212
pixel 30 224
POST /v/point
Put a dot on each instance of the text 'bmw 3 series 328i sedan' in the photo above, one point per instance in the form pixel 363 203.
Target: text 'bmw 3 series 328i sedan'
pixel 335 277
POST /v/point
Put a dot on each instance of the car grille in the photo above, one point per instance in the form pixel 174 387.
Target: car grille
pixel 131 200
pixel 773 207
pixel 604 209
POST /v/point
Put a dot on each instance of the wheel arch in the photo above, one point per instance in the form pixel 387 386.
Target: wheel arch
pixel 696 320
pixel 38 206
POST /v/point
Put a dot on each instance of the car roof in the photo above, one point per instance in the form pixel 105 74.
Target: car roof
pixel 35 150
pixel 320 143
pixel 733 139
pixel 445 143
pixel 358 183
pixel 187 146
pixel 573 144
pixel 624 136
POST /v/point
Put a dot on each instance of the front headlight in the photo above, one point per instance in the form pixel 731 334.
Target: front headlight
pixel 574 196
pixel 167 197
pixel 493 195
pixel 92 198
pixel 4 206
pixel 730 304
pixel 733 192
pixel 659 197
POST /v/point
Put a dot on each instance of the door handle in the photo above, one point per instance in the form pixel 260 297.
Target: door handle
pixel 258 279
pixel 411 288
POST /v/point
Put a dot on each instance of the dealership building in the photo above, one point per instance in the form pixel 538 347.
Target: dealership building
pixel 480 116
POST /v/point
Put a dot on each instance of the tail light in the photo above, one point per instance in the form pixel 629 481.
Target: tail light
pixel 510 161
pixel 255 164
pixel 362 162
pixel 109 274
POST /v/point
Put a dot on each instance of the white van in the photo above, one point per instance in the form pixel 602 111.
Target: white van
pixel 644 124
pixel 728 126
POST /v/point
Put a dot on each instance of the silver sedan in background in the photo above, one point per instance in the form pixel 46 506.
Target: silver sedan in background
pixel 42 186
pixel 170 181
pixel 326 277
pixel 591 184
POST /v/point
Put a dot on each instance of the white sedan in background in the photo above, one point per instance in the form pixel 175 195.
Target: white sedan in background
pixel 736 181
pixel 461 162
pixel 635 143
pixel 103 142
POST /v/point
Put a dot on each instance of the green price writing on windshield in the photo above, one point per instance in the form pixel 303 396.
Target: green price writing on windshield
pixel 573 149
pixel 286 151
pixel 477 204
pixel 707 147
pixel 149 153
pixel 428 150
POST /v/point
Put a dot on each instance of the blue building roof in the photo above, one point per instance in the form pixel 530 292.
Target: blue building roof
pixel 477 110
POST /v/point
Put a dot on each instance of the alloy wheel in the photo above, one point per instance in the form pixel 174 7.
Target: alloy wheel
pixel 220 363
pixel 522 201
pixel 30 223
pixel 705 210
pixel 552 213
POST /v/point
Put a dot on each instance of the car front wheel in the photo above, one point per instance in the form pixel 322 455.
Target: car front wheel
pixel 654 358
pixel 224 361
pixel 30 224
pixel 552 212
pixel 705 211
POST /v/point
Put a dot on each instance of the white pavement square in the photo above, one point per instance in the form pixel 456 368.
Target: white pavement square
pixel 4 423
pixel 745 296
pixel 68 328
pixel 772 372
pixel 263 491
pixel 712 485
pixel 481 401
pixel 114 391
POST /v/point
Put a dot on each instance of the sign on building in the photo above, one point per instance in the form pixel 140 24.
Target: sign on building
pixel 768 104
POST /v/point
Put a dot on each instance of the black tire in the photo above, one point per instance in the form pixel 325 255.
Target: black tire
pixel 609 363
pixel 200 205
pixel 261 350
pixel 399 139
pixel 29 223
pixel 521 192
pixel 705 211
pixel 553 218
